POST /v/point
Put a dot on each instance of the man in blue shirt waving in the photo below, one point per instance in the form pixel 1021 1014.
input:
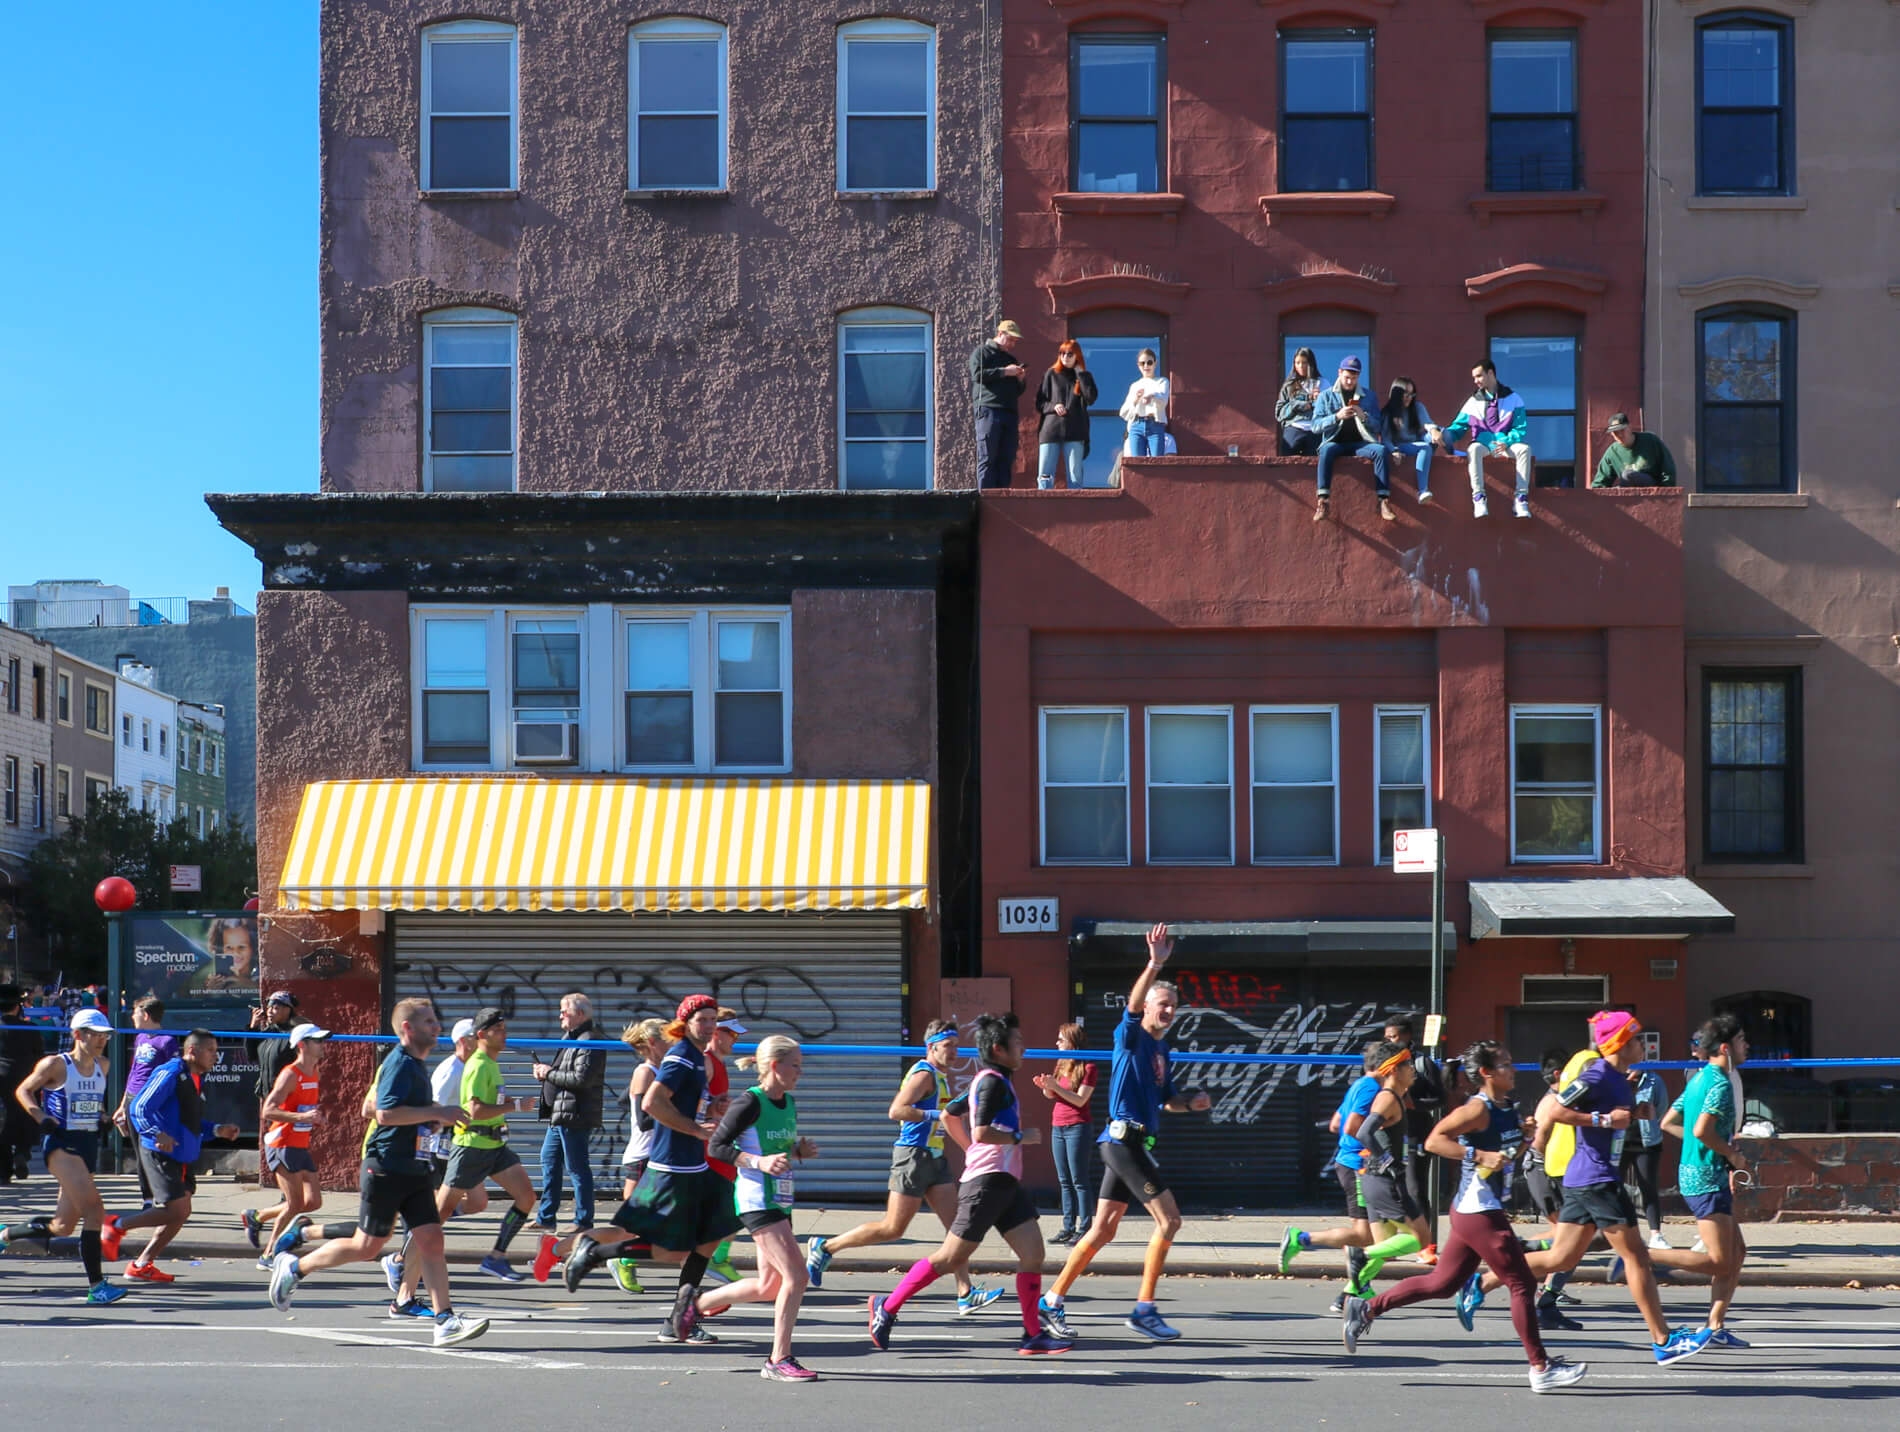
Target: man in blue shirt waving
pixel 1140 1086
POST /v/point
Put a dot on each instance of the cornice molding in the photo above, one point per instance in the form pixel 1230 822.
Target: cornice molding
pixel 1521 284
pixel 1581 9
pixel 1068 297
pixel 1739 287
pixel 1077 12
pixel 1334 287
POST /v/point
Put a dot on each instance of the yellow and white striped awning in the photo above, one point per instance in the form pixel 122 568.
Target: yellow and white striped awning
pixel 522 843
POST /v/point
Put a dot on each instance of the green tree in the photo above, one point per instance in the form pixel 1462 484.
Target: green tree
pixel 114 838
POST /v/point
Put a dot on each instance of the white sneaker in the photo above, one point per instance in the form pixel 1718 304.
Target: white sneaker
pixel 1698 1246
pixel 1479 507
pixel 1556 1373
pixel 1656 1240
pixel 456 1329
pixel 1521 507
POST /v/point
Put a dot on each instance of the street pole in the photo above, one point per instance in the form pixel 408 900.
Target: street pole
pixel 115 1011
pixel 1435 1176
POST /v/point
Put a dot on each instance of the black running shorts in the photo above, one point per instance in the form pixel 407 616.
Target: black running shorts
pixel 1130 1173
pixel 168 1179
pixel 991 1200
pixel 387 1196
pixel 1383 1197
pixel 1605 1204
pixel 1349 1185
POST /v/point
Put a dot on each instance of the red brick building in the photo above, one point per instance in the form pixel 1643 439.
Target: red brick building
pixel 1201 706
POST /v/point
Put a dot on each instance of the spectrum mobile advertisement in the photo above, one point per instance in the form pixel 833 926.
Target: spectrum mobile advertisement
pixel 204 967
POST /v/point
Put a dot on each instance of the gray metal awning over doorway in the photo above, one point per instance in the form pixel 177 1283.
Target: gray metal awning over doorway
pixel 1287 943
pixel 1669 907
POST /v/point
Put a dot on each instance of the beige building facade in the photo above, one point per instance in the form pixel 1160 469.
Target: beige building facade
pixel 1772 348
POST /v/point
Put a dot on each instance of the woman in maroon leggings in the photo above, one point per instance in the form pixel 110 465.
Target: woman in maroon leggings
pixel 1486 1137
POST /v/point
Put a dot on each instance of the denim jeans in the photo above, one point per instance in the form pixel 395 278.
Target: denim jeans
pixel 1144 438
pixel 565 1149
pixel 1329 453
pixel 1423 451
pixel 1050 456
pixel 1071 1145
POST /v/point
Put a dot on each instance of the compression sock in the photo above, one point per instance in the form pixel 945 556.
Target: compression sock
pixel 38 1230
pixel 90 1255
pixel 920 1276
pixel 588 1255
pixel 722 1255
pixel 512 1222
pixel 1080 1257
pixel 1152 1265
pixel 331 1230
pixel 1028 1294
pixel 1396 1246
pixel 691 1271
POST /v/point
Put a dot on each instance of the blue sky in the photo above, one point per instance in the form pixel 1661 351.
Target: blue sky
pixel 158 244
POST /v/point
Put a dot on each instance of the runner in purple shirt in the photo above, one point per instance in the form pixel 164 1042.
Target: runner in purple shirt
pixel 149 1051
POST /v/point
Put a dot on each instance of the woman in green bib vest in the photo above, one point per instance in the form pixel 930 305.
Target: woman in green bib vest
pixel 759 1134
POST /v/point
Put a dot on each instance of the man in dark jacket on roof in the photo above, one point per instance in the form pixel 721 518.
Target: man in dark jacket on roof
pixel 573 1086
pixel 997 381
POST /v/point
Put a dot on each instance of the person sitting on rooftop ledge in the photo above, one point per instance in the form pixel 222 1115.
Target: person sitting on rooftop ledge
pixel 1409 429
pixel 1348 425
pixel 1495 420
pixel 1294 410
pixel 1634 458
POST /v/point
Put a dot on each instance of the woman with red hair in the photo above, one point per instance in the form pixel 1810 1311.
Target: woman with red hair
pixel 1063 401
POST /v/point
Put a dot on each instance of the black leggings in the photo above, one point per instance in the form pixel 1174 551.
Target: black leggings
pixel 1475 1238
pixel 1646 1164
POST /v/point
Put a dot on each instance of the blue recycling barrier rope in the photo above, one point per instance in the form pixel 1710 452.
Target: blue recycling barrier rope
pixel 1092 1056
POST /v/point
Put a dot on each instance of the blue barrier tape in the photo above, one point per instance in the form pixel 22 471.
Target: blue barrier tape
pixel 1091 1056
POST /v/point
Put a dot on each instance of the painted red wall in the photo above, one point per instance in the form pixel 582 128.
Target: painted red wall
pixel 1428 258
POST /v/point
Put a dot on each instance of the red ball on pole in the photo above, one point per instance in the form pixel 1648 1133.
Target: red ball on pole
pixel 114 894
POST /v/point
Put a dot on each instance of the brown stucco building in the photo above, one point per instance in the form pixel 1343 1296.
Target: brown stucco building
pixel 1773 337
pixel 625 315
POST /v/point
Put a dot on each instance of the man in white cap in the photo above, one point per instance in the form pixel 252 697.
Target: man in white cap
pixel 65 1096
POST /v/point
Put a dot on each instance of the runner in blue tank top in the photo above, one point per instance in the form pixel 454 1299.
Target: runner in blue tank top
pixel 66 1096
pixel 920 1168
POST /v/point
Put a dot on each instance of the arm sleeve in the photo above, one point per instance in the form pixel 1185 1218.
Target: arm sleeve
pixel 991 1098
pixel 741 1114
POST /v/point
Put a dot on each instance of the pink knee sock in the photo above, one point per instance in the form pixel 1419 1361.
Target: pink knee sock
pixel 920 1276
pixel 1029 1293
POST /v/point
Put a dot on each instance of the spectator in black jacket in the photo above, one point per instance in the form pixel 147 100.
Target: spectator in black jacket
pixel 1063 401
pixel 997 380
pixel 572 1089
pixel 22 1046
pixel 1425 1106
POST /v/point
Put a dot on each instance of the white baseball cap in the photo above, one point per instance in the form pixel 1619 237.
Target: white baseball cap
pixel 464 1029
pixel 90 1019
pixel 732 1026
pixel 307 1031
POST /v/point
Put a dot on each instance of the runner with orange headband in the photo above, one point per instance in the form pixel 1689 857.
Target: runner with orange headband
pixel 1600 1103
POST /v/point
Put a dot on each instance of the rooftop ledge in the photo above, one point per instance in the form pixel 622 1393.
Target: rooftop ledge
pixel 1069 203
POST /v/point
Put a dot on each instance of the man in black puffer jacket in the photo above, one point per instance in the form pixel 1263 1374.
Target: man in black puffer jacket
pixel 572 1088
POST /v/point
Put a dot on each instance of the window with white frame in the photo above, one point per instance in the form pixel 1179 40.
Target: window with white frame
pixel 1556 783
pixel 749 707
pixel 662 716
pixel 164 734
pixel 884 398
pixel 10 790
pixel 63 792
pixel 1295 785
pixel 887 103
pixel 468 106
pixel 1084 785
pixel 145 735
pixel 468 400
pixel 545 690
pixel 39 796
pixel 125 732
pixel 706 690
pixel 676 76
pixel 455 692
pixel 1190 785
pixel 211 759
pixel 1402 766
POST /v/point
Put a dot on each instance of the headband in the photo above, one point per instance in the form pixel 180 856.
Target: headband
pixel 940 1036
pixel 1404 1056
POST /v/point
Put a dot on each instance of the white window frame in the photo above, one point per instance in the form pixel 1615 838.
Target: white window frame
pixel 883 31
pixel 63 690
pixel 1320 709
pixel 703 674
pixel 1569 709
pixel 451 32
pixel 1148 783
pixel 1043 714
pixel 39 795
pixel 495 658
pixel 448 318
pixel 672 29
pixel 1380 713
pixel 888 317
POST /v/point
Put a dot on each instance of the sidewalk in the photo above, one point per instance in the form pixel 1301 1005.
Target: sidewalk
pixel 1799 1255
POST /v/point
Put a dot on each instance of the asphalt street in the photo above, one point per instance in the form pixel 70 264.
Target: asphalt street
pixel 209 1352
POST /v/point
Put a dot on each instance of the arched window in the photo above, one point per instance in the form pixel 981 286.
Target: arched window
pixel 1745 399
pixel 676 104
pixel 1744 99
pixel 887 106
pixel 468 106
pixel 1538 353
pixel 468 400
pixel 885 399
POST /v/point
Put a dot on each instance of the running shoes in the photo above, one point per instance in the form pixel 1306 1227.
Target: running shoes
pixel 1289 1249
pixel 1556 1373
pixel 1722 1337
pixel 976 1300
pixel 253 1229
pixel 283 1280
pixel 881 1323
pixel 545 1258
pixel 148 1273
pixel 454 1329
pixel 1680 1344
pixel 1043 1344
pixel 1656 1240
pixel 102 1293
pixel 1551 1319
pixel 817 1259
pixel 624 1275
pixel 414 1308
pixel 392 1273
pixel 1354 1322
pixel 575 1268
pixel 1148 1322
pixel 696 1336
pixel 789 1370
pixel 1054 1319
pixel 292 1236
pixel 110 1237
pixel 496 1266
pixel 1470 1299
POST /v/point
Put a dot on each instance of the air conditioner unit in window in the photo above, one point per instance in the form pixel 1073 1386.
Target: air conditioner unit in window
pixel 1566 989
pixel 546 743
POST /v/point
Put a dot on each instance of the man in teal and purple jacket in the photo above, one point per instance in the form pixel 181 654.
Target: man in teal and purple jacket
pixel 1493 420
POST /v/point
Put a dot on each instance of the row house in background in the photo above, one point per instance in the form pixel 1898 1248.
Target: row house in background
pixel 620 313
pixel 26 748
pixel 85 740
pixel 201 766
pixel 1773 337
pixel 1199 704
pixel 144 766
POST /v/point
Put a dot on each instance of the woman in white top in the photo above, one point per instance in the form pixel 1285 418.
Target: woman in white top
pixel 1145 409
